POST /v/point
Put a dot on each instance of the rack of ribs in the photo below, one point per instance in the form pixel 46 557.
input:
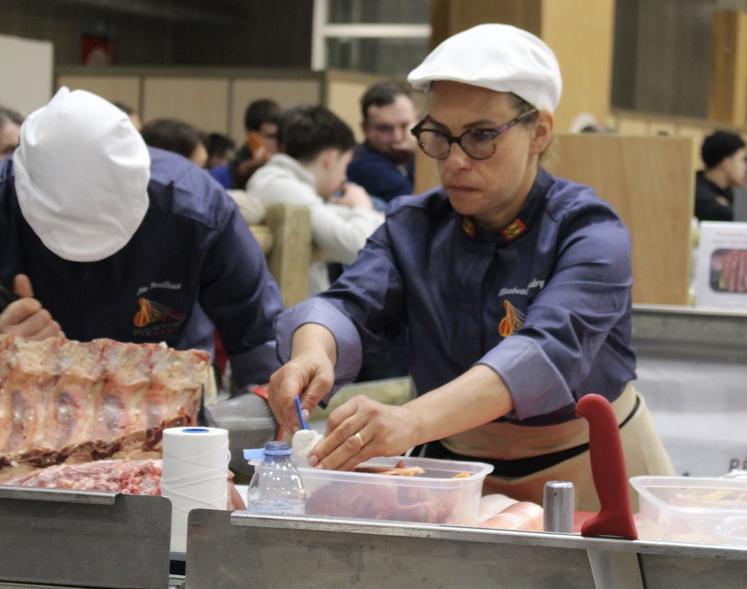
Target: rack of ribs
pixel 66 401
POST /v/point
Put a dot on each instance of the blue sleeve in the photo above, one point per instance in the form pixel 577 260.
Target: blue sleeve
pixel 241 298
pixel 357 309
pixel 569 320
pixel 380 178
pixel 319 311
pixel 222 175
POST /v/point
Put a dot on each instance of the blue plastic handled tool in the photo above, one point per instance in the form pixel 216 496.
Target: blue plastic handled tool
pixel 301 419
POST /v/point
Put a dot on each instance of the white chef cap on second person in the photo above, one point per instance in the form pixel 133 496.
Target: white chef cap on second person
pixel 497 57
pixel 82 174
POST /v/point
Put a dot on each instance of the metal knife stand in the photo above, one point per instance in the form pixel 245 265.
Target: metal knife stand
pixel 241 550
pixel 83 539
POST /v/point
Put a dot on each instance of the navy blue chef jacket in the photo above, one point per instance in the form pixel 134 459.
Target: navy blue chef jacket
pixel 192 261
pixel 546 302
pixel 379 175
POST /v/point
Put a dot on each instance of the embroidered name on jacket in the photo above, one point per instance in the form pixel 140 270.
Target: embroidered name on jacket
pixel 516 290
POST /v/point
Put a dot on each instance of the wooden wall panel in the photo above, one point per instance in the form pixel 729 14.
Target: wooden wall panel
pixel 26 72
pixel 286 91
pixel 727 98
pixel 583 47
pixel 696 134
pixel 202 102
pixel 451 16
pixel 632 126
pixel 124 89
pixel 649 182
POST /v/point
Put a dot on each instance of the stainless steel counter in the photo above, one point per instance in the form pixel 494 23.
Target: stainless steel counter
pixel 272 551
pixel 76 539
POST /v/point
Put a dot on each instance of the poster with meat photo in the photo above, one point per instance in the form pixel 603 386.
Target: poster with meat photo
pixel 721 267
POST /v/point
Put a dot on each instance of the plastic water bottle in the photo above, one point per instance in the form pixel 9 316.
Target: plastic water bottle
pixel 276 487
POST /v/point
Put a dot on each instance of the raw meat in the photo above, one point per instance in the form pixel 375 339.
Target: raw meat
pixel 523 515
pixel 131 477
pixel 62 400
pixel 398 470
pixel 492 505
pixel 383 502
pixel 391 501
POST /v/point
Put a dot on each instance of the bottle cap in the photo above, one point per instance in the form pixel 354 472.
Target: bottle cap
pixel 270 449
pixel 277 449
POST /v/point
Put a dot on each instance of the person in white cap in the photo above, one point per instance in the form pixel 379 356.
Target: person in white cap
pixel 132 243
pixel 515 287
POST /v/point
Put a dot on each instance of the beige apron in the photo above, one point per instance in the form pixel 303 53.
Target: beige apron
pixel 644 452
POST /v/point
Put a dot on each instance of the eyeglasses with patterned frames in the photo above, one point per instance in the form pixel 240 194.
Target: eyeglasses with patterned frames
pixel 479 144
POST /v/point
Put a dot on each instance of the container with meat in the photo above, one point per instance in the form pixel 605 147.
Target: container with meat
pixel 690 509
pixel 418 490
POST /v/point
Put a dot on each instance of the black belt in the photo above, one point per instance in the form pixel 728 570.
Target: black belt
pixel 519 467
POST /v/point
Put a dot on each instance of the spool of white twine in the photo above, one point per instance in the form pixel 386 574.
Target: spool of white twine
pixel 194 475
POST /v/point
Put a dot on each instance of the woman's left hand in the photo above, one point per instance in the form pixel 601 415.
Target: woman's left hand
pixel 361 429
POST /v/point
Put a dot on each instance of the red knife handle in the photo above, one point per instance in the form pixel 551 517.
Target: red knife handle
pixel 615 518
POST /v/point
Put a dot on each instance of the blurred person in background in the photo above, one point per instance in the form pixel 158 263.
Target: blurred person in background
pixel 723 154
pixel 221 150
pixel 384 163
pixel 316 147
pixel 10 131
pixel 178 137
pixel 131 114
pixel 261 120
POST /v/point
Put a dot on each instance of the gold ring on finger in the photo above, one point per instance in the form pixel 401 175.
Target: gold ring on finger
pixel 359 437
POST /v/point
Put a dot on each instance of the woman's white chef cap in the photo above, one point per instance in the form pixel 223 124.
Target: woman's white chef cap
pixel 82 174
pixel 497 57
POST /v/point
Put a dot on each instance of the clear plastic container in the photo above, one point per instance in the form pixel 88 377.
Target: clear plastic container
pixel 434 497
pixel 276 487
pixel 688 509
pixel 733 531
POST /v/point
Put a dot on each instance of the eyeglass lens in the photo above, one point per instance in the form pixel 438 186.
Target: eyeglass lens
pixel 477 144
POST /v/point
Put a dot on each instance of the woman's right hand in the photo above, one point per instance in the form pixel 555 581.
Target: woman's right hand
pixel 311 374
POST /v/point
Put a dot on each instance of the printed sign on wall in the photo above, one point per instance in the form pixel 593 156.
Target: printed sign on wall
pixel 721 269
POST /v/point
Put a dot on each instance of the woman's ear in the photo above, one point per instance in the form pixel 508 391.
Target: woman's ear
pixel 542 133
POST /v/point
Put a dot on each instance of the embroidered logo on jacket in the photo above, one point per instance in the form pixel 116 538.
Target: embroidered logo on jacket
pixel 512 320
pixel 468 226
pixel 153 318
pixel 513 230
